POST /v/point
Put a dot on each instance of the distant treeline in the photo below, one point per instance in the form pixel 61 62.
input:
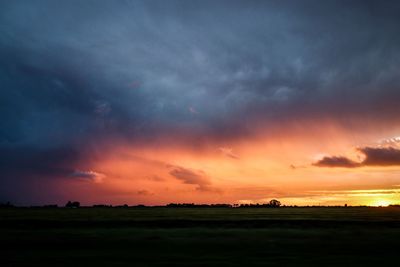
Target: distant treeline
pixel 76 204
pixel 192 205
pixel 272 204
pixel 6 205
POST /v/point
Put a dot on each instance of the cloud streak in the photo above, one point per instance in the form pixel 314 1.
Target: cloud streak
pixel 193 177
pixel 88 175
pixel 374 156
pixel 228 152
pixel 336 161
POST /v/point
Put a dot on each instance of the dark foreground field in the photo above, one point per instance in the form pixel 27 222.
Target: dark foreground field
pixel 200 236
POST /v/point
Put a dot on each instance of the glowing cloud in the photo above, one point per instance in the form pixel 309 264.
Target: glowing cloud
pixel 89 175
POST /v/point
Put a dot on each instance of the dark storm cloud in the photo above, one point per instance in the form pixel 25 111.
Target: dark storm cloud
pixel 374 156
pixel 143 68
pixel 74 73
pixel 25 171
pixel 32 161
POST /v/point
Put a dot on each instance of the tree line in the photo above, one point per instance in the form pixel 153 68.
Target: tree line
pixel 76 204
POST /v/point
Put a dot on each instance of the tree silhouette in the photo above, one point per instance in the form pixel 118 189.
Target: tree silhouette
pixel 74 204
pixel 274 203
pixel 6 205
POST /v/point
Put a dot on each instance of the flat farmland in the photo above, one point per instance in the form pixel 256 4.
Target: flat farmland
pixel 162 236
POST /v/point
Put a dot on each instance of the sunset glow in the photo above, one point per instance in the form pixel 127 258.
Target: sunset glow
pixel 153 103
pixel 380 203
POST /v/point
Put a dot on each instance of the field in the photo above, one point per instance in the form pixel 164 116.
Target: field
pixel 352 236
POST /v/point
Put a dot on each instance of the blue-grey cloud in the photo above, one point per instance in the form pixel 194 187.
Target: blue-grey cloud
pixel 135 67
pixel 75 73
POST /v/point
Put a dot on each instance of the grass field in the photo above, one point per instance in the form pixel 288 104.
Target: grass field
pixel 200 236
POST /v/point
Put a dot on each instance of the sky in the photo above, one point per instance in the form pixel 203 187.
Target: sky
pixel 156 102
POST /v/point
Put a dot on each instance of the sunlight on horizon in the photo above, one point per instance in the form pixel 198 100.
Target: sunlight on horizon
pixel 381 203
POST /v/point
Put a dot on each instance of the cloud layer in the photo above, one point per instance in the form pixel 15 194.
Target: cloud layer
pixel 76 75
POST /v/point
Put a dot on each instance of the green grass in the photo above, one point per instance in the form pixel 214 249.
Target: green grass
pixel 164 213
pixel 302 237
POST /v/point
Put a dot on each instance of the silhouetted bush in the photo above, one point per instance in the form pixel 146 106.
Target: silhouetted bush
pixel 52 206
pixel 275 203
pixel 6 205
pixel 74 204
pixel 122 206
pixel 102 206
pixel 192 205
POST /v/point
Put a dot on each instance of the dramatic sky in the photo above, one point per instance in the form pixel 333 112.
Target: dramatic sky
pixel 152 102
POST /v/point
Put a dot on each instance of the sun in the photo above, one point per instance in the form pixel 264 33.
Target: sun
pixel 380 203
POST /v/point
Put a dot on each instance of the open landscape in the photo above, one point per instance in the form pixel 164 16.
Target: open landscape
pixel 199 133
pixel 163 236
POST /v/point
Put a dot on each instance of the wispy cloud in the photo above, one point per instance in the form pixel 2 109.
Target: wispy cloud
pixel 193 111
pixel 144 192
pixel 89 175
pixel 394 141
pixel 228 152
pixel 155 178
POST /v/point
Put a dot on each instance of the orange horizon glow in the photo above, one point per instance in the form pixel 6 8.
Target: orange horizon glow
pixel 247 171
